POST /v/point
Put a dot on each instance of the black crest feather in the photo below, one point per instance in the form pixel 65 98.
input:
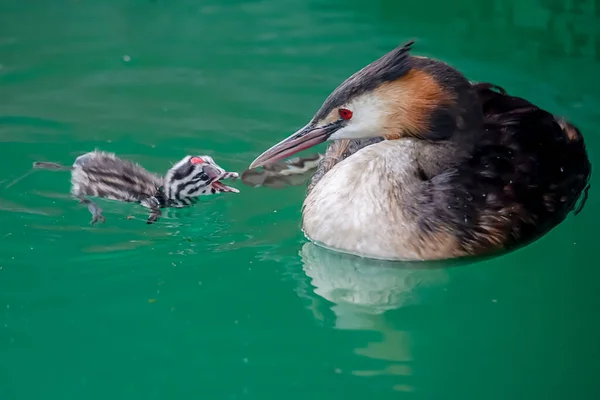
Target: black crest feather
pixel 392 65
pixel 389 67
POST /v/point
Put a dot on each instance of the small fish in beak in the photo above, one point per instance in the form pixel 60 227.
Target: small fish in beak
pixel 292 172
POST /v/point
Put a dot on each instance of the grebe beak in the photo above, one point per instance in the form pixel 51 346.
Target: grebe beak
pixel 303 139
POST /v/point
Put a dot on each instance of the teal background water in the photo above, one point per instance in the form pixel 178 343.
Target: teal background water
pixel 227 300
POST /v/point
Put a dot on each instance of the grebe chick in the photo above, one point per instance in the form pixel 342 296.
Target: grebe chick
pixel 104 175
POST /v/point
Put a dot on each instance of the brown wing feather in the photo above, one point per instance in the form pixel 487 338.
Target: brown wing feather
pixel 525 176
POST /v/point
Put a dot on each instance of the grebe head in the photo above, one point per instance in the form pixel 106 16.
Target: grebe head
pixel 396 96
pixel 196 176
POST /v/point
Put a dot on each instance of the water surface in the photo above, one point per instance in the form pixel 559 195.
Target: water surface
pixel 228 300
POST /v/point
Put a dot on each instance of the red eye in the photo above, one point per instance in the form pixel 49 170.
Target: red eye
pixel 345 113
pixel 196 160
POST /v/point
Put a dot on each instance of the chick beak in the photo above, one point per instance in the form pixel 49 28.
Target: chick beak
pixel 303 139
pixel 212 172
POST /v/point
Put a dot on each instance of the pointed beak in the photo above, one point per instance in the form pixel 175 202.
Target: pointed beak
pixel 212 172
pixel 303 139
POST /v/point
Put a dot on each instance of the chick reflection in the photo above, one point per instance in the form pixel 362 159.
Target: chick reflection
pixel 363 290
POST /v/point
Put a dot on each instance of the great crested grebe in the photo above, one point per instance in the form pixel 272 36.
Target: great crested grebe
pixel 426 165
pixel 104 175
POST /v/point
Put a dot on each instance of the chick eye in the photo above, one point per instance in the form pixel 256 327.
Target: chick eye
pixel 345 113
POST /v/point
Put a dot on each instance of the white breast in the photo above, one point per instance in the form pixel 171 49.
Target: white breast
pixel 358 206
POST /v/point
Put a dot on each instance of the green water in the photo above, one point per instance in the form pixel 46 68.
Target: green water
pixel 227 300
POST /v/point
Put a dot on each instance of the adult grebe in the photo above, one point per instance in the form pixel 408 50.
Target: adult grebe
pixel 426 165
